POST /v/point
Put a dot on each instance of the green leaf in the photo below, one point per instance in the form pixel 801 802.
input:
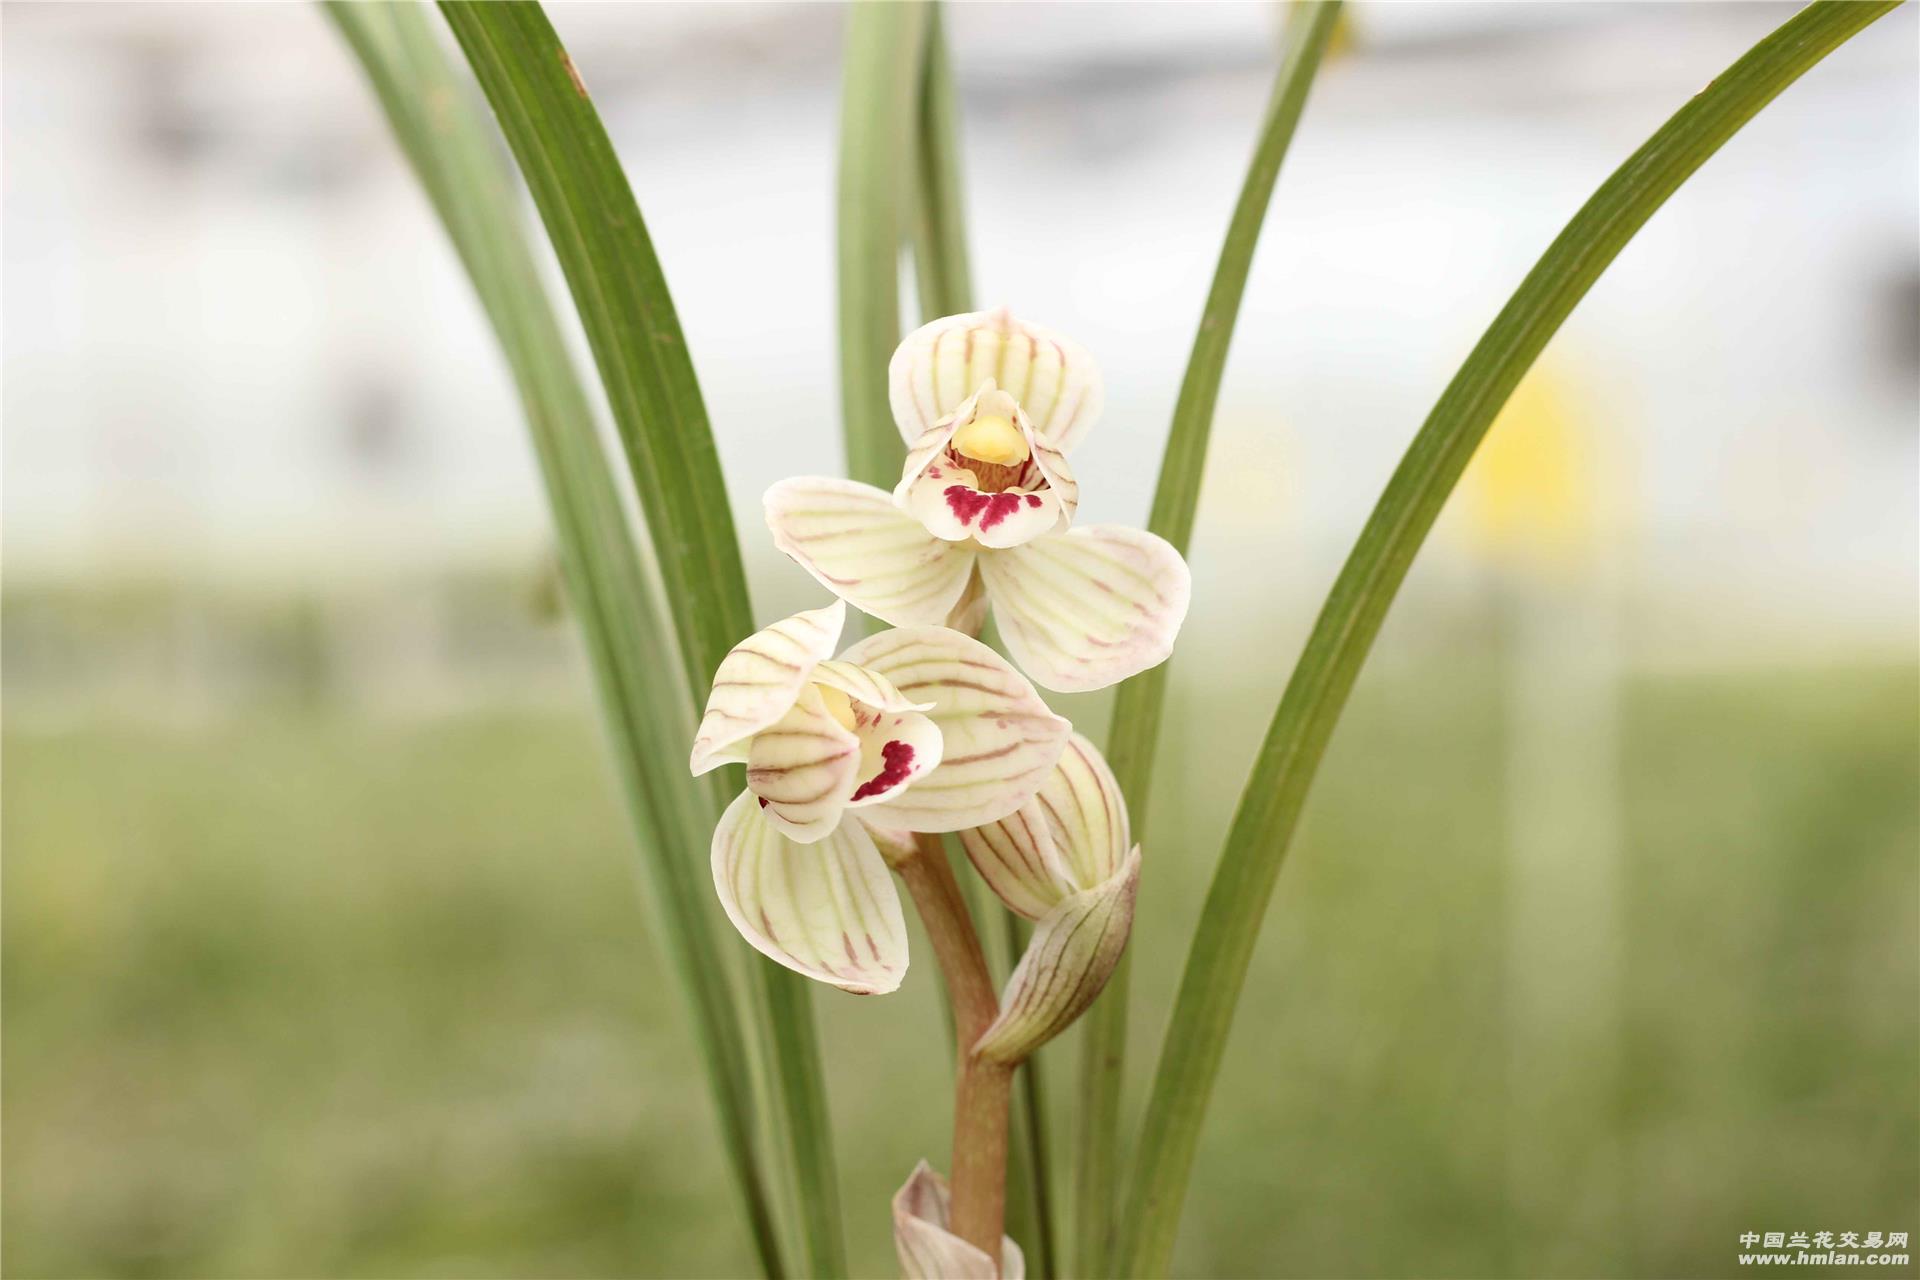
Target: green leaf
pixel 943 276
pixel 1139 702
pixel 884 46
pixel 597 232
pixel 1276 791
pixel 646 703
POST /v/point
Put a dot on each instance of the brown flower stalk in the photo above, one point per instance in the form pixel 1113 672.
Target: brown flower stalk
pixel 983 1089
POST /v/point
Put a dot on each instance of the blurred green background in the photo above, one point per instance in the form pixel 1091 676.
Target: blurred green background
pixel 307 990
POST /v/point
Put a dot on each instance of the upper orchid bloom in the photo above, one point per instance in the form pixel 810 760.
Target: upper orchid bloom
pixel 989 406
pixel 916 729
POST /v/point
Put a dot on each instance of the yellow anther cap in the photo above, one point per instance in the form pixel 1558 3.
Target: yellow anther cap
pixel 991 437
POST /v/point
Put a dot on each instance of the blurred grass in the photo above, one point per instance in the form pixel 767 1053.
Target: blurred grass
pixel 315 993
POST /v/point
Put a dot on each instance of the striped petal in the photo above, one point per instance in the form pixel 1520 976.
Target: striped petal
pixel 999 740
pixel 804 768
pixel 1051 461
pixel 928 1249
pixel 865 686
pixel 828 910
pixel 940 364
pixel 759 680
pixel 926 451
pixel 1086 609
pixel 1070 837
pixel 867 551
pixel 1068 960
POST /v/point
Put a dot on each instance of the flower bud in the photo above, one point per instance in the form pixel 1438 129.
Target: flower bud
pixel 922 1213
pixel 1064 860
pixel 1067 963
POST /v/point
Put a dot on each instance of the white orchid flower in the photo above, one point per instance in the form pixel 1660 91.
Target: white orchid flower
pixel 990 406
pixel 1066 860
pixel 924 1240
pixel 915 729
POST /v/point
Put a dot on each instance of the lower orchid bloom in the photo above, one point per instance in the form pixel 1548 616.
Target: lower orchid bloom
pixel 918 729
pixel 989 406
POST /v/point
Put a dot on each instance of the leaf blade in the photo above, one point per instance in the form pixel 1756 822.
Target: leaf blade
pixel 601 241
pixel 1140 702
pixel 621 620
pixel 1304 721
pixel 882 71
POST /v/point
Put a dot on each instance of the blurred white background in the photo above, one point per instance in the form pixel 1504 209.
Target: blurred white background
pixel 238 348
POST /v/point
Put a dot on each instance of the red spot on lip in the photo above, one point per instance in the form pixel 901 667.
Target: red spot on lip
pixel 991 508
pixel 762 800
pixel 896 760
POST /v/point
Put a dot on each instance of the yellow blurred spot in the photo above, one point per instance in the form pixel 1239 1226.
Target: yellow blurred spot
pixel 1341 41
pixel 991 438
pixel 838 705
pixel 1533 484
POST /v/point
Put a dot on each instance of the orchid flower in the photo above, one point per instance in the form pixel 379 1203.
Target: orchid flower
pixel 1065 860
pixel 915 729
pixel 927 1247
pixel 990 406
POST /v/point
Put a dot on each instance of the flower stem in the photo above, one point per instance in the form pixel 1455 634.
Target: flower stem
pixel 983 1090
pixel 981 1105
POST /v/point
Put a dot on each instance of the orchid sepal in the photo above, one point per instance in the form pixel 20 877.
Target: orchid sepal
pixel 1088 608
pixel 828 909
pixel 943 362
pixel 857 544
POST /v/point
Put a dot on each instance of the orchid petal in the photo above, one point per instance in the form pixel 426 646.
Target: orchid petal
pixel 1068 960
pixel 928 1249
pixel 1070 837
pixel 828 910
pixel 1086 609
pixel 804 767
pixel 927 448
pixel 1051 461
pixel 867 551
pixel 759 680
pixel 865 686
pixel 999 739
pixel 940 364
